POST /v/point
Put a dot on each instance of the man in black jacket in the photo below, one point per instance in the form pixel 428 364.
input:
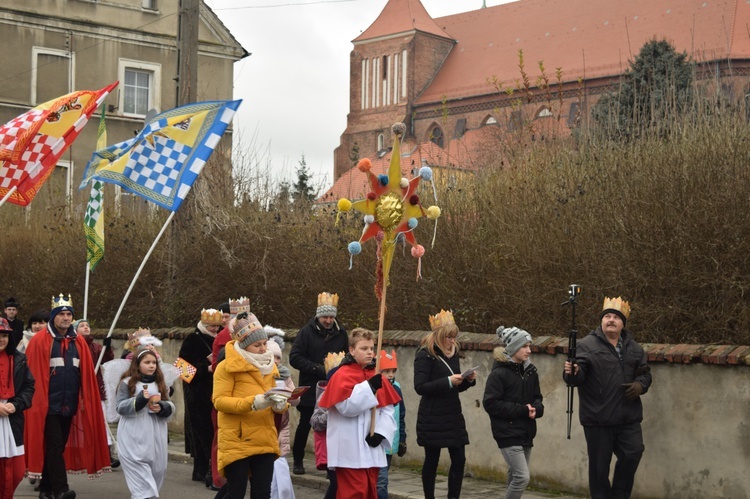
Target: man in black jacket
pixel 319 337
pixel 611 374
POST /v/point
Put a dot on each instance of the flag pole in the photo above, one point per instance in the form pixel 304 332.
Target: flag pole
pixel 132 284
pixel 10 192
pixel 86 291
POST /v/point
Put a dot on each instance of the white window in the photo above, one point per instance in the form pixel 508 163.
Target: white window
pixel 396 84
pixel 149 4
pixel 363 90
pixel 52 74
pixel 140 87
pixel 381 142
pixel 403 74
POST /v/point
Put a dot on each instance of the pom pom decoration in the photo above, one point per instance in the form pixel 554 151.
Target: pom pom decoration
pixel 369 219
pixel 371 196
pixel 418 252
pixel 404 183
pixel 383 179
pixel 414 199
pixel 344 204
pixel 398 129
pixel 425 173
pixel 433 212
pixel 355 248
pixel 364 165
pixel 412 223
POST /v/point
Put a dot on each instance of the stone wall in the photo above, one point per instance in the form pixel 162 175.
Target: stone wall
pixel 696 416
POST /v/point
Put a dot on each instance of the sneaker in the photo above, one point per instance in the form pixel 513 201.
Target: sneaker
pixel 299 469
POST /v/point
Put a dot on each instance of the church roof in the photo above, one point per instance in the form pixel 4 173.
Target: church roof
pixel 585 39
pixel 402 16
pixel 460 154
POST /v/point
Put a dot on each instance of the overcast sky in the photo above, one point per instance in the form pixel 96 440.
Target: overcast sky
pixel 295 85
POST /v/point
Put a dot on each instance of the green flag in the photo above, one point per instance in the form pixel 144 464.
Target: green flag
pixel 93 221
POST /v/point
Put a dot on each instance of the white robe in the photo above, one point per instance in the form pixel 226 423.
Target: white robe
pixel 141 443
pixel 349 424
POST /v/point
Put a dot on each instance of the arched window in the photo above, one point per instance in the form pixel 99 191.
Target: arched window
pixel 381 142
pixel 436 136
pixel 544 112
pixel 489 120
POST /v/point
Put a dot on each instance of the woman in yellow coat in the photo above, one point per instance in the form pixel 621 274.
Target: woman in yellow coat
pixel 248 440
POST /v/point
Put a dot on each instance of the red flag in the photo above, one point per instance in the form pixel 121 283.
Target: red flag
pixel 31 144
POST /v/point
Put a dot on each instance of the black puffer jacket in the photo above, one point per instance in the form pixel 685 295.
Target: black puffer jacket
pixel 440 422
pixel 601 376
pixel 23 385
pixel 510 386
pixel 309 349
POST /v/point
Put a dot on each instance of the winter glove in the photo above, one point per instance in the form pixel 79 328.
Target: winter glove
pixel 401 449
pixel 376 383
pixel 166 409
pixel 261 402
pixel 279 402
pixel 633 390
pixel 141 401
pixel 375 439
pixel 107 342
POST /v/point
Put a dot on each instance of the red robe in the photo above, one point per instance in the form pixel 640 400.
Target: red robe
pixel 342 383
pixel 87 448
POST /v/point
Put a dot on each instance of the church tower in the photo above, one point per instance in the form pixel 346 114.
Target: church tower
pixel 392 62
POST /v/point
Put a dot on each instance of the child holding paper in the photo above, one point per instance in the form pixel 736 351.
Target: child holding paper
pixel 513 400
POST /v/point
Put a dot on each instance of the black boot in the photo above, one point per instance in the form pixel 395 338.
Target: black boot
pixel 298 469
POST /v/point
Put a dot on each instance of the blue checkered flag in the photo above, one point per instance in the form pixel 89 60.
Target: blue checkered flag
pixel 162 162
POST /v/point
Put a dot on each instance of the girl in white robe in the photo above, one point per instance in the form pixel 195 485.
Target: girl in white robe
pixel 144 408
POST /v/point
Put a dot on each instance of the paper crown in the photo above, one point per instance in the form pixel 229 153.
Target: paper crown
pixel 61 301
pixel 388 360
pixel 443 318
pixel 241 304
pixel 328 299
pixel 134 338
pixel 333 360
pixel 211 317
pixel 617 304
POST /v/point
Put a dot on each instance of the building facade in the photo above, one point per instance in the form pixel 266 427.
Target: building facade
pixel 53 47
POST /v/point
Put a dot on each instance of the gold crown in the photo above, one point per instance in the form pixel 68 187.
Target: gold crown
pixel 328 299
pixel 617 304
pixel 241 304
pixel 444 318
pixel 332 360
pixel 211 317
pixel 61 301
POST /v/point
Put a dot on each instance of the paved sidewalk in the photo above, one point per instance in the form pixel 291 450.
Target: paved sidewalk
pixel 403 483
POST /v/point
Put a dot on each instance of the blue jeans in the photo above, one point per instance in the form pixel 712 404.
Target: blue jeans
pixel 517 458
pixel 383 479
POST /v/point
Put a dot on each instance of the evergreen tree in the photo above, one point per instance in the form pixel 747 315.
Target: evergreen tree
pixel 657 85
pixel 302 190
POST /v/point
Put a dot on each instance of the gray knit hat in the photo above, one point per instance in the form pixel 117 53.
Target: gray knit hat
pixel 248 330
pixel 513 339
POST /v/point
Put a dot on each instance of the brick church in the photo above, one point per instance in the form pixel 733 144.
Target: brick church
pixel 448 78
